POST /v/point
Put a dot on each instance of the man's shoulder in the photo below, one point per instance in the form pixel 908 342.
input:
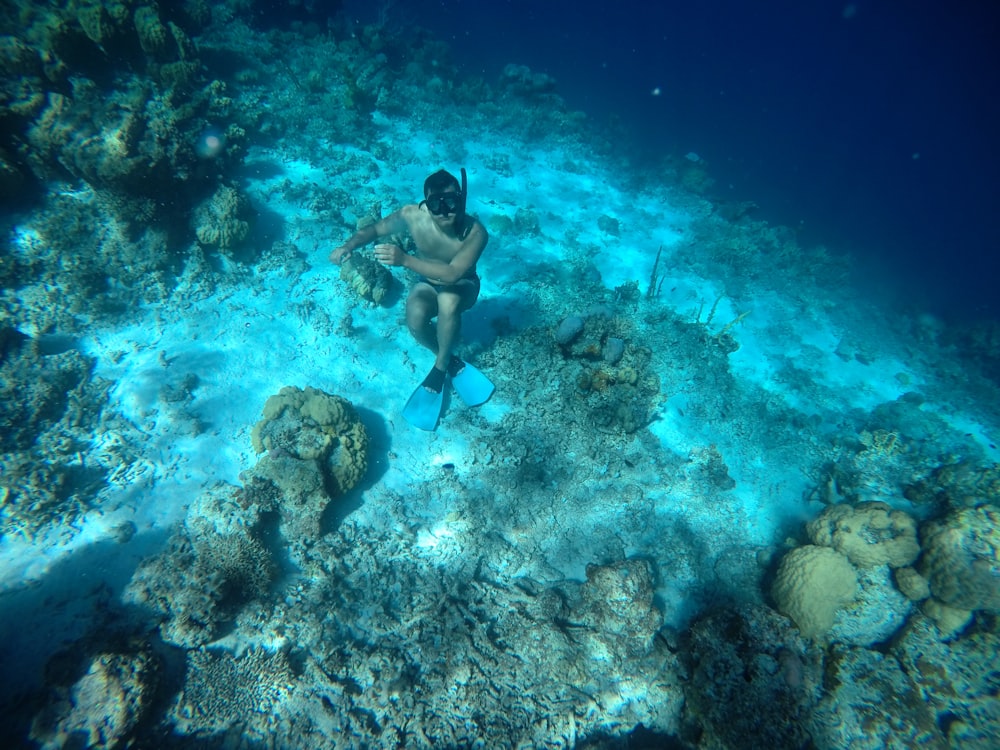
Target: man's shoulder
pixel 475 225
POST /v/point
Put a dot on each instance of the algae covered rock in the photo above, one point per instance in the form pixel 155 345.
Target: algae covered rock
pixel 312 425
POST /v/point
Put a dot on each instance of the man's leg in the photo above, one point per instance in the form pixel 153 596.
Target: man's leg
pixel 449 326
pixel 426 301
pixel 458 298
pixel 421 307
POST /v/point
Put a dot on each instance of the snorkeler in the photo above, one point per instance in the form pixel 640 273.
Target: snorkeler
pixel 449 243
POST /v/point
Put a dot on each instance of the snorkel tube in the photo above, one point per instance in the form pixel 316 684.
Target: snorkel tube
pixel 465 190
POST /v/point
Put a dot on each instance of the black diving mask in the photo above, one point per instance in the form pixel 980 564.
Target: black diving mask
pixel 441 204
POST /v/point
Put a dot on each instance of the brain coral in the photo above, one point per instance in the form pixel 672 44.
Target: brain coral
pixel 312 425
pixel 961 558
pixel 870 534
pixel 811 585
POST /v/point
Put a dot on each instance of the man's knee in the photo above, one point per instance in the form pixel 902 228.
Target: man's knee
pixel 449 306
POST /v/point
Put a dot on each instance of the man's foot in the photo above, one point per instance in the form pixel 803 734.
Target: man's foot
pixel 455 366
pixel 434 381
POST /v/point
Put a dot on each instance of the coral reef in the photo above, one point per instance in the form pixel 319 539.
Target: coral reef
pixel 911 584
pixel 454 616
pixel 310 425
pixel 456 661
pixel 957 485
pixel 222 221
pixel 871 702
pixel 961 559
pixel 111 98
pixel 617 605
pixel 51 466
pixel 811 584
pixel 607 381
pixel 104 707
pixel 369 279
pixel 212 566
pixel 956 679
pixel 316 451
pixel 869 534
pixel 753 681
pixel 224 690
pixel 303 492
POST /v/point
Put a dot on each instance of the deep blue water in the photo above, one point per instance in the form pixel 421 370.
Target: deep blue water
pixel 869 126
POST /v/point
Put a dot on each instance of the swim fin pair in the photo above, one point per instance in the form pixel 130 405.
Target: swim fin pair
pixel 424 407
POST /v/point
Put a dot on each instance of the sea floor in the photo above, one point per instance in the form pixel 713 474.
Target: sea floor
pixel 463 593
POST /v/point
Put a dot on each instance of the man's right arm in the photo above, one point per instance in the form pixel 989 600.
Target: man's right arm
pixel 391 224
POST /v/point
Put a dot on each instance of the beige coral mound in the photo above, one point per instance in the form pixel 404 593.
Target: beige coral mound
pixel 961 560
pixel 313 425
pixel 869 534
pixel 811 585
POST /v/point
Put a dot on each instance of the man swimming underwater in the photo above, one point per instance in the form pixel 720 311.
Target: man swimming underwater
pixel 449 244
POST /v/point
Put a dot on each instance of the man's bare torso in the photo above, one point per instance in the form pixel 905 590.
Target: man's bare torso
pixel 431 241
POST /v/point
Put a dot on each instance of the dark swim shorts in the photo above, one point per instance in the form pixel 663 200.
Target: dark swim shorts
pixel 470 276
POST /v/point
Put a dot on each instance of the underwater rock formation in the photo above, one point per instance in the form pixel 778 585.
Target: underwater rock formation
pixel 223 220
pixel 103 708
pixel 51 466
pixel 753 681
pixel 618 607
pixel 950 679
pixel 108 104
pixel 317 450
pixel 871 702
pixel 224 689
pixel 570 327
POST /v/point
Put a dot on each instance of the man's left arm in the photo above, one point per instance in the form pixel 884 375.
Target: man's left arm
pixel 446 273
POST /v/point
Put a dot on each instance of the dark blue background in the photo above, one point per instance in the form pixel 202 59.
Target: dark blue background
pixel 870 126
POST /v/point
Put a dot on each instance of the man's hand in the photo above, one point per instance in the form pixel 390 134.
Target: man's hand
pixel 391 255
pixel 340 254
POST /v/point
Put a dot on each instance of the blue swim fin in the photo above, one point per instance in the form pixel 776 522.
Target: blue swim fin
pixel 424 408
pixel 474 387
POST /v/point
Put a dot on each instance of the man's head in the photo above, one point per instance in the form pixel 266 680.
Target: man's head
pixel 444 196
